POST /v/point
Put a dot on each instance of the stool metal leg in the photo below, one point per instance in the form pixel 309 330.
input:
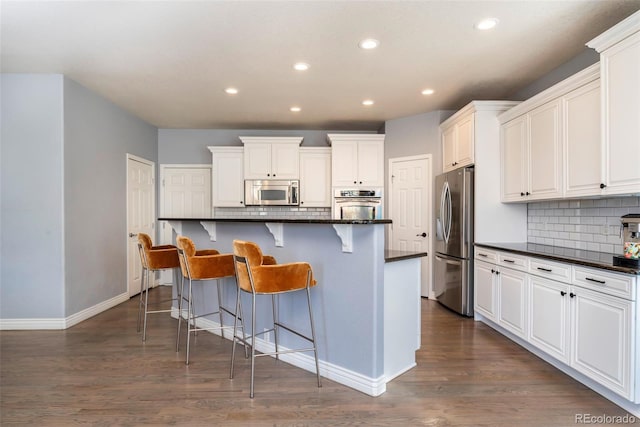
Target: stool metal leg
pixel 275 323
pixel 313 335
pixel 146 306
pixel 180 302
pixel 253 340
pixel 190 318
pixel 140 301
pixel 234 338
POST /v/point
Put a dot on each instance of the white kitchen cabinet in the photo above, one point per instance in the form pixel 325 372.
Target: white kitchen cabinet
pixel 584 317
pixel 271 157
pixel 602 339
pixel 458 142
pixel 514 159
pixel 315 177
pixel 500 293
pixel 545 152
pixel 549 317
pixel 550 146
pixel 485 290
pixel 512 294
pixel 227 183
pixel 357 160
pixel 583 146
pixel 619 49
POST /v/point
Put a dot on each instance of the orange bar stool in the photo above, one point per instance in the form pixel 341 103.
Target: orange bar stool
pixel 154 258
pixel 203 265
pixel 260 275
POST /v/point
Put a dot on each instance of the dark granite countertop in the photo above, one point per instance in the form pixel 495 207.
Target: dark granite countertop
pixel 391 255
pixel 286 220
pixel 575 256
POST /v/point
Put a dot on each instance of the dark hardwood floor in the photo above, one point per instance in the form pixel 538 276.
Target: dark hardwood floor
pixel 100 373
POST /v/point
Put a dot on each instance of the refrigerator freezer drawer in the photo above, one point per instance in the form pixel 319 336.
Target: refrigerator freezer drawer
pixel 454 283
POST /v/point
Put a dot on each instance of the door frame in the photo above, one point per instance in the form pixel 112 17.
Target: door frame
pixel 153 204
pixel 427 214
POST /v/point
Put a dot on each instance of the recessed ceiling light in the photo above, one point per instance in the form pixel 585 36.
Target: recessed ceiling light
pixel 368 44
pixel 301 66
pixel 295 109
pixel 367 102
pixel 231 90
pixel 428 92
pixel 487 24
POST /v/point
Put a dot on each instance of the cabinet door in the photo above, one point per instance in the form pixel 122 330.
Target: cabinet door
pixel 602 340
pixel 512 291
pixel 371 163
pixel 315 178
pixel 485 290
pixel 620 67
pixel 285 161
pixel 581 122
pixel 344 156
pixel 257 161
pixel 549 317
pixel 464 142
pixel 448 148
pixel 545 151
pixel 227 179
pixel 513 146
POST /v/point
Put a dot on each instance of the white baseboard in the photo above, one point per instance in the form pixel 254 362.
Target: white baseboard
pixel 64 323
pixel 371 386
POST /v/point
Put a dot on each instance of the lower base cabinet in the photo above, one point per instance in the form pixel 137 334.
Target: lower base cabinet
pixel 592 331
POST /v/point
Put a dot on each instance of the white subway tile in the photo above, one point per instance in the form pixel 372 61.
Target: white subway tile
pixel 593 247
pixel 605 247
pixel 581 245
pixel 630 201
pixel 614 203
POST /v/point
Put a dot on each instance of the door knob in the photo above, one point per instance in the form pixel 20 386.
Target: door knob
pixel 132 235
pixel 423 235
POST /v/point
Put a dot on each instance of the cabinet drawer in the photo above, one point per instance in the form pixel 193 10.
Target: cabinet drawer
pixel 620 285
pixel 517 262
pixel 550 269
pixel 486 255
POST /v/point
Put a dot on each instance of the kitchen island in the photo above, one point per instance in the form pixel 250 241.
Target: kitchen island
pixel 366 305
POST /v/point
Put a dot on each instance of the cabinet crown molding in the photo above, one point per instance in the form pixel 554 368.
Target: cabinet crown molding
pixel 355 137
pixel 618 32
pixel 575 81
pixel 271 139
pixel 225 149
pixel 474 106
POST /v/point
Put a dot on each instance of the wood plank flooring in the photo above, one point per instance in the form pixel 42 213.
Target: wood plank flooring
pixel 100 373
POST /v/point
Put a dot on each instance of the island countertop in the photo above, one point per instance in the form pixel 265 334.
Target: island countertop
pixel 263 219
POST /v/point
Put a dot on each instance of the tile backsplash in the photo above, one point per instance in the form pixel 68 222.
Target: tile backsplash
pixel 590 224
pixel 273 212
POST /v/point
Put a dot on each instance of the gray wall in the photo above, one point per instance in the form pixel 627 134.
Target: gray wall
pixel 63 196
pixel 97 137
pixel 189 146
pixel 31 188
pixel 581 61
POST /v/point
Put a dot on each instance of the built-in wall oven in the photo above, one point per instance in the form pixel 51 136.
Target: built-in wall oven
pixel 357 203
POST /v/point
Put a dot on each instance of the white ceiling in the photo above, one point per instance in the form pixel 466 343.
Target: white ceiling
pixel 169 62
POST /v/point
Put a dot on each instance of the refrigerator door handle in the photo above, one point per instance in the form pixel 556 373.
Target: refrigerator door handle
pixel 445 210
pixel 449 261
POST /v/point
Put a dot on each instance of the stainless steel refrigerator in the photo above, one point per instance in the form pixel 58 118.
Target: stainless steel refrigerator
pixel 454 240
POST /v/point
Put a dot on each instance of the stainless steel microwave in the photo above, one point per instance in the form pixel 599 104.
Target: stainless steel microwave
pixel 271 192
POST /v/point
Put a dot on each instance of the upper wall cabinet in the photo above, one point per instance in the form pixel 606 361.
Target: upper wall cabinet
pixel 458 142
pixel 357 160
pixel 619 49
pixel 550 144
pixel 315 177
pixel 227 186
pixel 271 157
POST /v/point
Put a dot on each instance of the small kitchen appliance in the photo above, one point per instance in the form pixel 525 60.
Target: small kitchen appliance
pixel 271 192
pixel 630 227
pixel 357 203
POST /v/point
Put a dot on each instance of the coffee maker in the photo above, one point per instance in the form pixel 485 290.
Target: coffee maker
pixel 630 228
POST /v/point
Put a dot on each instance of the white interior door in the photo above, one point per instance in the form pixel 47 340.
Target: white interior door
pixel 410 201
pixel 185 192
pixel 141 214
